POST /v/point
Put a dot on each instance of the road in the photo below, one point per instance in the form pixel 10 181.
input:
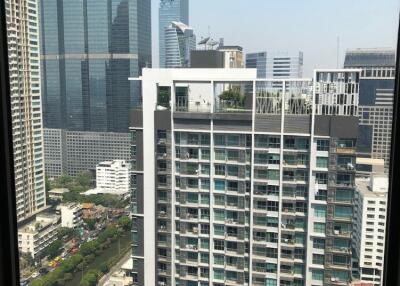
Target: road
pixel 115 268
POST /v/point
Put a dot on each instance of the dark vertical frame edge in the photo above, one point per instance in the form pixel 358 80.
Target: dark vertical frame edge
pixel 9 259
pixel 391 270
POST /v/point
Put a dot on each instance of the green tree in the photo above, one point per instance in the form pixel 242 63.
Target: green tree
pixel 84 179
pixel 53 249
pixel 91 223
pixel 125 222
pixel 90 278
pixel 104 268
pixel 88 248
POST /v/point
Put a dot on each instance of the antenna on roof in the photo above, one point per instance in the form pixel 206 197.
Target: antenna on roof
pixel 337 51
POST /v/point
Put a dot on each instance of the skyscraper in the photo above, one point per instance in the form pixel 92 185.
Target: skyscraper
pixel 24 66
pixel 170 11
pixel 376 99
pixel 89 48
pixel 179 42
pixel 276 64
pixel 240 186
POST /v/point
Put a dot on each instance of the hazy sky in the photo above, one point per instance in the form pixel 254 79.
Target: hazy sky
pixel 311 26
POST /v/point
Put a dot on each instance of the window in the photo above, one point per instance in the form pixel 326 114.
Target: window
pixel 318 275
pixel 219 244
pixel 219 185
pixel 319 227
pixel 320 211
pixel 318 259
pixel 322 145
pixel 322 162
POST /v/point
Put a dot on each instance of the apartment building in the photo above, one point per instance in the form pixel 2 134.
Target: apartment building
pixel 236 181
pixel 71 215
pixel 37 234
pixel 26 111
pixel 370 227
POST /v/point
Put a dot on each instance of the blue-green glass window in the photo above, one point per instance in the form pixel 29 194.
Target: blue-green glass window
pixel 219 200
pixel 233 140
pixel 318 259
pixel 220 154
pixel 219 274
pixel 219 229
pixel 322 162
pixel 231 275
pixel 192 198
pixel 205 184
pixel 343 212
pixel 340 275
pixel 318 275
pixel 233 155
pixel 344 195
pixel 320 211
pixel 219 185
pixel 319 227
pixel 204 243
pixel 219 259
pixel 220 140
pixel 204 257
pixel 270 282
pixel 205 199
pixel 219 215
pixel 271 268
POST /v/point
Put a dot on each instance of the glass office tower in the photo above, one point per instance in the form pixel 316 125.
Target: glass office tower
pixel 89 49
pixel 169 11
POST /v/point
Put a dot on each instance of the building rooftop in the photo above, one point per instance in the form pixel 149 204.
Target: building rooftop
pixel 376 185
pixel 375 57
pixel 223 48
pixel 59 191
pixel 40 222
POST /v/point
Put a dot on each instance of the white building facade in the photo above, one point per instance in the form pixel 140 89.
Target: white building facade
pixel 252 187
pixel 370 227
pixel 36 235
pixel 71 215
pixel 113 177
pixel 26 106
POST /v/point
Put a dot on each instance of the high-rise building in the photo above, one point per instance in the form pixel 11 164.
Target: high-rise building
pixel 234 185
pixel 376 100
pixel 179 42
pixel 88 50
pixel 370 227
pixel 24 69
pixel 170 11
pixel 71 152
pixel 276 65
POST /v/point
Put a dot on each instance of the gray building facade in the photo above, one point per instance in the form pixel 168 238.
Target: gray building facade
pixel 71 152
pixel 169 11
pixel 376 100
pixel 89 49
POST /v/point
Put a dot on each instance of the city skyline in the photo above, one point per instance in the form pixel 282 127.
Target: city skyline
pixel 317 24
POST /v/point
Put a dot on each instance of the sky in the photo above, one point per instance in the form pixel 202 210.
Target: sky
pixel 311 26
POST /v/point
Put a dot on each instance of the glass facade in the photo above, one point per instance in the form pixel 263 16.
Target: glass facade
pixel 170 10
pixel 87 59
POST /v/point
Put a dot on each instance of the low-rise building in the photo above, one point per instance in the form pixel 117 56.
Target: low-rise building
pixel 71 215
pixel 37 234
pixel 112 177
pixel 57 194
pixel 369 227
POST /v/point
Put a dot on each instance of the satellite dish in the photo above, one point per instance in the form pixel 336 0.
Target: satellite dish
pixel 204 41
